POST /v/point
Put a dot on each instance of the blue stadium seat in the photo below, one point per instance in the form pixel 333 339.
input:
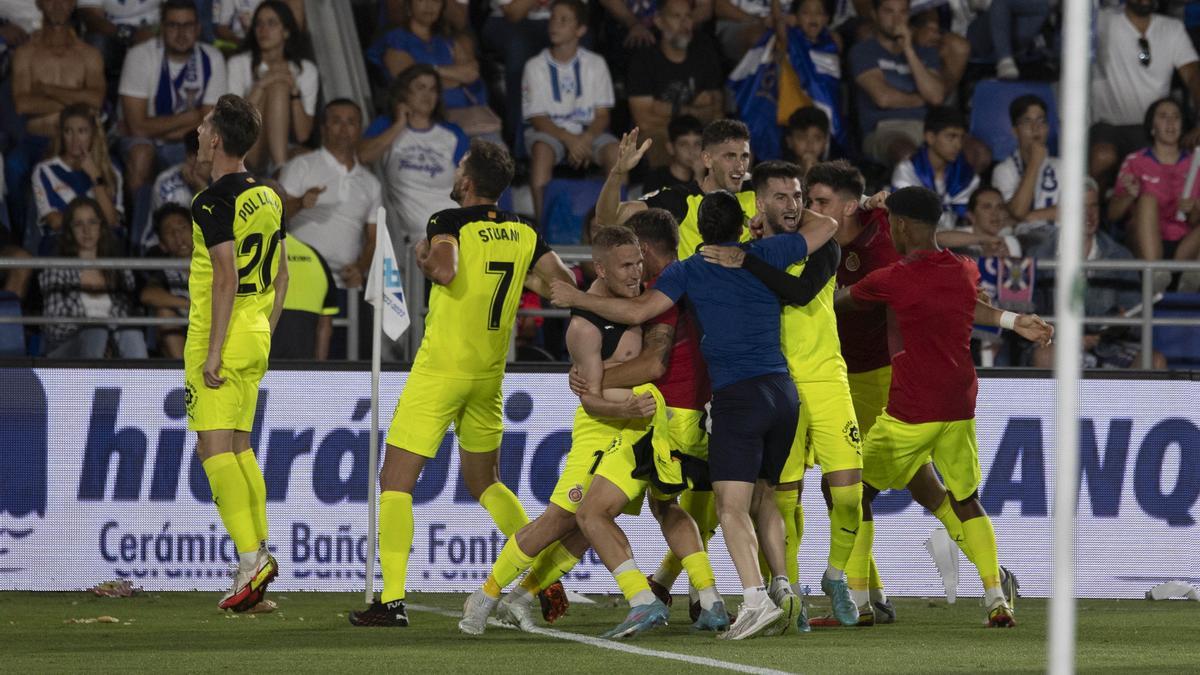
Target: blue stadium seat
pixel 989 114
pixel 12 335
pixel 567 202
pixel 1180 344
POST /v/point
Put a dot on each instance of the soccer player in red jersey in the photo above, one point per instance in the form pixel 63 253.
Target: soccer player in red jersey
pixel 930 415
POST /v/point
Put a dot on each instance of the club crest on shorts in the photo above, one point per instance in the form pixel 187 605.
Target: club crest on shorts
pixel 189 399
pixel 575 494
pixel 852 433
pixel 852 262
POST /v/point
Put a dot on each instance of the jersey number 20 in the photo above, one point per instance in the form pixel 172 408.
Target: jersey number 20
pixel 506 271
pixel 255 275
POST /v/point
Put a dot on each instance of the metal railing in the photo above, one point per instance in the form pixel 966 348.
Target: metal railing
pixel 414 281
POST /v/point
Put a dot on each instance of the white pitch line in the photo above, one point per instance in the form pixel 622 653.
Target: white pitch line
pixel 617 646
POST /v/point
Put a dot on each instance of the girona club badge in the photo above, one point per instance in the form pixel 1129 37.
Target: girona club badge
pixel 575 494
pixel 852 262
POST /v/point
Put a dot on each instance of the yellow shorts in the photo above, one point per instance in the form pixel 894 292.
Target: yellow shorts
pixel 593 440
pixel 232 405
pixel 430 402
pixel 687 436
pixel 895 450
pixel 869 391
pixel 827 433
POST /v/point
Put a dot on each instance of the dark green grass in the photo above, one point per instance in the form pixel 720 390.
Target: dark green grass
pixel 185 632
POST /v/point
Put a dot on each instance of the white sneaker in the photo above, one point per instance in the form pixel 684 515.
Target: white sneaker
pixel 753 621
pixel 1006 69
pixel 790 604
pixel 515 613
pixel 476 610
pixel 944 552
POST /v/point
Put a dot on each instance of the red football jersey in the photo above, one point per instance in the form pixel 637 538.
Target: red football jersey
pixel 932 297
pixel 864 333
pixel 685 384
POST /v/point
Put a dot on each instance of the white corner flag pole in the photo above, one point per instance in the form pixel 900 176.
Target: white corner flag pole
pixel 1068 309
pixel 376 366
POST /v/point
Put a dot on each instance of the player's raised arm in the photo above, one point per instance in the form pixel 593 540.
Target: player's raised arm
pixel 816 228
pixel 584 343
pixel 629 311
pixel 610 210
pixel 281 284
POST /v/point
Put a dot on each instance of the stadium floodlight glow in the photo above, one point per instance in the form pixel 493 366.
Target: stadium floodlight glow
pixel 1068 307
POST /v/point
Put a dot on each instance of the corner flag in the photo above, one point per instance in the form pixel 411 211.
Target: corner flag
pixel 386 285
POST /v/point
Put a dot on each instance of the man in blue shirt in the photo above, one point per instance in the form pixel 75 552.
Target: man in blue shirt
pixel 755 407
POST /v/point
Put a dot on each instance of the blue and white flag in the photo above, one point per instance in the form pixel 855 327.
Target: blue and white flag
pixel 385 282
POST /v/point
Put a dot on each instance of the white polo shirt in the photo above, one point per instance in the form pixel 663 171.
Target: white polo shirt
pixel 567 93
pixel 334 225
pixel 127 12
pixel 1122 88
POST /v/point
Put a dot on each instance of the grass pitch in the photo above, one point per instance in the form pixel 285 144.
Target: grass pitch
pixel 310 633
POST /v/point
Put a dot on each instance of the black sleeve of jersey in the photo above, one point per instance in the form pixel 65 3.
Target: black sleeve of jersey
pixel 792 290
pixel 215 218
pixel 330 301
pixel 448 222
pixel 671 198
pixel 540 248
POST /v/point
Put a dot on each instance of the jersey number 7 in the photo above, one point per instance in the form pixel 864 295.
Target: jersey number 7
pixel 506 271
pixel 253 277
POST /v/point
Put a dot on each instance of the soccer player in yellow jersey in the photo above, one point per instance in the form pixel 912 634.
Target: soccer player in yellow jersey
pixel 725 151
pixel 479 258
pixel 237 284
pixel 809 338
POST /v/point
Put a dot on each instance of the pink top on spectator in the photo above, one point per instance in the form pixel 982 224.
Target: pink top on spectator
pixel 1165 183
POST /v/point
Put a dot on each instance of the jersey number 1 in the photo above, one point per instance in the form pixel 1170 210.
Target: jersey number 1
pixel 253 277
pixel 506 271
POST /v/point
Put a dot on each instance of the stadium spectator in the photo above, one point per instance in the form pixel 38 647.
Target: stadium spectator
pixel 306 322
pixel 420 152
pixel 740 24
pixel 76 293
pixel 18 20
pixel 939 165
pixel 232 19
pixel 818 65
pixel 79 167
pixel 1005 27
pixel 1137 53
pixel 807 137
pixel 15 281
pixel 426 36
pixel 988 233
pixel 1149 190
pixel 897 81
pixel 275 72
pixel 1029 178
pixel 953 49
pixel 331 199
pixel 683 149
pixel 1108 293
pixel 51 71
pixel 678 76
pixel 177 185
pixel 113 26
pixel 517 30
pixel 567 98
pixel 165 292
pixel 167 86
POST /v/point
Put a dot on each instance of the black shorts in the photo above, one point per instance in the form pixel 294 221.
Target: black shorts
pixel 753 424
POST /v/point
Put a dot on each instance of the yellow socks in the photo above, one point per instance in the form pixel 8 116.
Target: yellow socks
pixel 258 491
pixel 954 527
pixel 668 570
pixel 788 502
pixel 702 507
pixel 633 584
pixel 395 541
pixel 981 538
pixel 548 567
pixel 504 508
pixel 858 568
pixel 232 497
pixel 699 570
pixel 844 522
pixel 509 565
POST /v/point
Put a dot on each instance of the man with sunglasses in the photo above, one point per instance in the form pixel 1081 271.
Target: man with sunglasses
pixel 1137 53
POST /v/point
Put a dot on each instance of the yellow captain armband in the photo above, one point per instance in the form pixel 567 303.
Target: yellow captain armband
pixel 439 238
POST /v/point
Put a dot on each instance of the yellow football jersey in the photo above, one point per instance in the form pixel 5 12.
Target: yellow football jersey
pixel 809 337
pixel 470 321
pixel 240 209
pixel 683 201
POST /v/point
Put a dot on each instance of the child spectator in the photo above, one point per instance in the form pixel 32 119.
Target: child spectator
pixel 567 97
pixel 683 147
pixel 807 137
pixel 275 72
pixel 1029 178
pixel 939 165
pixel 75 293
pixel 165 292
pixel 80 167
pixel 176 185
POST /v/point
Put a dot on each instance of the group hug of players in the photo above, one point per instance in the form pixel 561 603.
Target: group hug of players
pixel 732 339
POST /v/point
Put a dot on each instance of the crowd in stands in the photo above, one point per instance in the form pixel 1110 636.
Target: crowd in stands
pixel 100 100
